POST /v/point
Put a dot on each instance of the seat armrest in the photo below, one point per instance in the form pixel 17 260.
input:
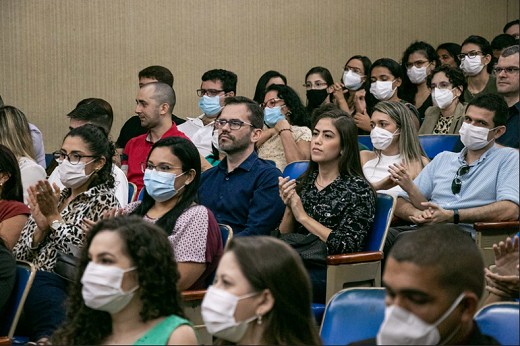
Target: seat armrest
pixel 512 226
pixel 193 295
pixel 368 256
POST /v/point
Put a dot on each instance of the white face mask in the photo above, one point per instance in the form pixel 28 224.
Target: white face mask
pixel 351 80
pixel 218 313
pixel 102 288
pixel 401 327
pixel 381 138
pixel 442 98
pixel 214 141
pixel 474 137
pixel 417 75
pixel 473 66
pixel 382 90
pixel 73 176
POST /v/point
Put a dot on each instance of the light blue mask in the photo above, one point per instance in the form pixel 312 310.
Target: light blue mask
pixel 272 116
pixel 210 105
pixel 160 185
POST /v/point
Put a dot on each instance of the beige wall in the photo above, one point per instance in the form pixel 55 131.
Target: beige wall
pixel 55 53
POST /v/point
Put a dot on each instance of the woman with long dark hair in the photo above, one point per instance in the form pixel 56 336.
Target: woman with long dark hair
pixel 266 80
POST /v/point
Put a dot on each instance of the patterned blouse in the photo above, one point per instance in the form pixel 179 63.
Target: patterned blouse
pixel 87 205
pixel 443 125
pixel 272 149
pixel 347 206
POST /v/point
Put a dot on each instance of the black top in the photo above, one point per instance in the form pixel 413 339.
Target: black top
pixel 7 275
pixel 132 128
pixel 426 104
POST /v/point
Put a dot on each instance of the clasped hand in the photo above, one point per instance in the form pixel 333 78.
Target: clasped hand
pixel 289 196
pixel 433 214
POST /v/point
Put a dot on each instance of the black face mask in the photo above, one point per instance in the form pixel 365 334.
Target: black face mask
pixel 316 97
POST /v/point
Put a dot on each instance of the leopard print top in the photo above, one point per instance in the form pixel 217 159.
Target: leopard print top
pixel 89 205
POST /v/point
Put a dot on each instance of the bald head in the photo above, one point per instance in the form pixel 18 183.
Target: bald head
pixel 162 93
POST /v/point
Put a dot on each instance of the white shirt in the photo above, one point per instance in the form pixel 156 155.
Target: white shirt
pixel 31 172
pixel 120 184
pixel 377 169
pixel 200 134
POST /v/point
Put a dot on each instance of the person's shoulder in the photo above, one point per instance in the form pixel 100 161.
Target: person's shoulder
pixel 184 334
pixel 262 166
pixel 432 110
pixel 136 140
pixel 367 155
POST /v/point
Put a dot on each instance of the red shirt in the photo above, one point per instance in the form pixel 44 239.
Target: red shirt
pixel 9 209
pixel 137 150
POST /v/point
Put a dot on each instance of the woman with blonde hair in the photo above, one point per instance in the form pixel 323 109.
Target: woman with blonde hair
pixel 396 147
pixel 16 135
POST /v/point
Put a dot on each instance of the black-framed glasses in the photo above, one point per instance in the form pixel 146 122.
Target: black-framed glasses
pixel 73 158
pixel 233 124
pixel 470 55
pixel 509 70
pixel 418 64
pixel 209 92
pixel 158 168
pixel 456 184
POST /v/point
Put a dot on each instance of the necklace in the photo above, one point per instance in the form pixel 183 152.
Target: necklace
pixel 316 181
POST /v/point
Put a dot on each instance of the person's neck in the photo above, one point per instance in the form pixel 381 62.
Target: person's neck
pixel 511 98
pixel 461 336
pixel 327 172
pixel 234 160
pixel 157 132
pixel 75 192
pixel 422 88
pixel 394 97
pixel 127 320
pixel 254 335
pixel 474 155
pixel 478 82
pixel 165 206
pixel 392 150
pixel 206 119
pixel 450 110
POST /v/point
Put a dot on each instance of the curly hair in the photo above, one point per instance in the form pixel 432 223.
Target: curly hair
pixel 454 75
pixel 99 145
pixel 298 114
pixel 227 78
pixel 150 251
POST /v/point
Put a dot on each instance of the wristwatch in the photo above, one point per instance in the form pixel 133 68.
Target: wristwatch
pixel 57 223
pixel 456 217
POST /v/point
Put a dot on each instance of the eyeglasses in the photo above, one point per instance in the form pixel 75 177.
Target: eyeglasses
pixel 353 69
pixel 418 64
pixel 509 70
pixel 158 168
pixel 73 158
pixel 209 92
pixel 441 85
pixel 470 55
pixel 317 85
pixel 456 184
pixel 270 103
pixel 233 124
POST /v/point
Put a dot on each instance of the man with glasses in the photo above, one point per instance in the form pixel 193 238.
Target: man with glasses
pixel 242 191
pixel 216 86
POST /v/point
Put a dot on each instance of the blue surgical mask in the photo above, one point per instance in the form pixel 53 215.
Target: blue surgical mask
pixel 272 116
pixel 210 105
pixel 160 185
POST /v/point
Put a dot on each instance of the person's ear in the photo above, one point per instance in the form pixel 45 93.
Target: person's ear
pixel 398 82
pixel 100 163
pixel 469 306
pixel 265 302
pixel 486 60
pixel 164 108
pixel 190 176
pixel 330 89
pixel 255 135
pixel 458 91
pixel 499 131
pixel 4 177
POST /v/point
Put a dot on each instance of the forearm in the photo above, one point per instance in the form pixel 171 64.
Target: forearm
pixel 290 148
pixel 39 236
pixel 405 209
pixel 498 211
pixel 416 197
pixel 343 105
pixel 288 221
pixel 315 227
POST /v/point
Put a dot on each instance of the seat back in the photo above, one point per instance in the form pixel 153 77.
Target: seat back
pixel 435 144
pixel 227 233
pixel 295 169
pixel 365 140
pixel 384 212
pixel 141 194
pixel 132 192
pixel 353 314
pixel 25 273
pixel 500 320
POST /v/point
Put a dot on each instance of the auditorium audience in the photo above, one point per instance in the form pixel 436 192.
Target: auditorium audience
pixel 265 81
pixel 286 135
pixel 333 204
pixel 419 59
pixel 242 191
pixel 126 290
pixel 13 212
pixel 15 134
pixel 449 54
pixel 447 85
pixel 396 145
pixel 171 180
pixel 261 296
pixel 318 83
pixel 55 222
pixel 503 283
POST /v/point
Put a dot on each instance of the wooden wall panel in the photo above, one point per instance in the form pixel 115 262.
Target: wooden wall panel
pixel 57 52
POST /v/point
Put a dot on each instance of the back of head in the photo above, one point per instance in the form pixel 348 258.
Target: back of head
pixel 12 189
pixel 453 50
pixel 161 74
pixel 390 64
pixel 227 78
pixel 255 116
pixel 454 75
pixel 163 93
pixel 323 72
pixel 90 111
pixel 15 132
pixel 269 263
pixel 450 250
pixel 298 114
pixel 503 41
pixel 493 103
pixel 262 82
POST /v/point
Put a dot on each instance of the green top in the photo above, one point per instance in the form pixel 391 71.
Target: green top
pixel 160 334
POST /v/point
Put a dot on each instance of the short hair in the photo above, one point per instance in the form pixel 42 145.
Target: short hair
pixel 298 114
pixel 262 82
pixel 227 78
pixel 12 189
pixel 93 114
pixel 450 250
pixel 510 24
pixel 454 75
pixel 453 50
pixel 503 41
pixel 509 51
pixel 493 103
pixel 163 93
pixel 100 102
pixel 255 116
pixel 161 74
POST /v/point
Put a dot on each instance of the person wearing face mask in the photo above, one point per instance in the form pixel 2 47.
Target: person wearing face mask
pixel 319 86
pixel 479 184
pixel 55 224
pixel 261 296
pixel 447 115
pixel 434 280
pixel 385 79
pixel 216 86
pixel 475 56
pixel 286 136
pixel 126 292
pixel 396 143
pixel 171 180
pixel 419 59
pixel 266 80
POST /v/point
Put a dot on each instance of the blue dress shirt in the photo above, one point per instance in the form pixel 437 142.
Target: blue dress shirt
pixel 247 198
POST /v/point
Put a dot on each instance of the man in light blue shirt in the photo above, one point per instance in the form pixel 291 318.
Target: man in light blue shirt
pixel 479 184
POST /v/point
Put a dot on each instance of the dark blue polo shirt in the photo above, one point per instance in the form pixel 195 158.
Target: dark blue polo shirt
pixel 247 199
